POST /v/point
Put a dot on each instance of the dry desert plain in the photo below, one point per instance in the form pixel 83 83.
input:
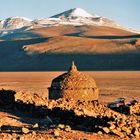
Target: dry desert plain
pixel 20 125
pixel 112 84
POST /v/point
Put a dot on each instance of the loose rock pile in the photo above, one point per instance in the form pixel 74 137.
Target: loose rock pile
pixel 32 98
pixel 107 120
pixel 66 115
pixel 135 109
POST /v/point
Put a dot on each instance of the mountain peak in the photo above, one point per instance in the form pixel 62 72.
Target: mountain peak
pixel 15 22
pixel 75 12
pixel 78 12
pixel 73 17
pixel 19 17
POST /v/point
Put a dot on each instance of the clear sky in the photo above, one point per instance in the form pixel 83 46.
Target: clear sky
pixel 125 12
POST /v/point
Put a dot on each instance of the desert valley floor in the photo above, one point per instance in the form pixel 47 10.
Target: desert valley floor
pixel 111 84
pixel 21 125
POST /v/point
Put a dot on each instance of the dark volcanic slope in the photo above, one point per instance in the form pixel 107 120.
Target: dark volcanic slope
pixel 93 48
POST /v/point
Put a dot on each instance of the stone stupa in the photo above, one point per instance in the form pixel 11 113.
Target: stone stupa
pixel 74 85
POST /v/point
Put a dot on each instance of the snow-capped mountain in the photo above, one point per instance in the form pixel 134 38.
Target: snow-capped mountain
pixel 47 21
pixel 75 13
pixel 74 17
pixel 78 16
pixel 0 25
pixel 15 23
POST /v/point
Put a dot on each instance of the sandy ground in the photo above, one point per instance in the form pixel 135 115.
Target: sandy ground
pixel 111 84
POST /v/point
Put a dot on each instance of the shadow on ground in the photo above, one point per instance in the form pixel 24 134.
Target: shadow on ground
pixel 15 58
pixel 31 114
pixel 60 62
pixel 106 36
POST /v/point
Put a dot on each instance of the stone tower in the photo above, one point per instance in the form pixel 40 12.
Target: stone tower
pixel 74 85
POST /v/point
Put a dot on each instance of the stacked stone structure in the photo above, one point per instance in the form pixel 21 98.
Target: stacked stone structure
pixel 74 85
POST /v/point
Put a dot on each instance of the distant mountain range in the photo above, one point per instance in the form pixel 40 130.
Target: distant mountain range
pixel 76 17
pixel 94 42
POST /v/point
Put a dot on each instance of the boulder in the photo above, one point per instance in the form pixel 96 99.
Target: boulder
pixel 100 133
pixel 25 130
pixel 136 132
pixel 118 133
pixel 112 126
pixel 68 128
pixel 56 133
pixel 61 126
pixel 106 130
pixel 35 125
pixel 126 129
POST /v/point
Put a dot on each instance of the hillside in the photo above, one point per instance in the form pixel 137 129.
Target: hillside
pixel 65 44
pixel 84 31
pixel 56 53
pixel 93 42
pixel 83 39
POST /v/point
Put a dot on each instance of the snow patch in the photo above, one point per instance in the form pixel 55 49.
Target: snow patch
pixel 75 17
pixel 15 22
pixel 78 12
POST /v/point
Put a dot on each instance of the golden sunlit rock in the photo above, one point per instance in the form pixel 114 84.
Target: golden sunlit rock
pixel 74 85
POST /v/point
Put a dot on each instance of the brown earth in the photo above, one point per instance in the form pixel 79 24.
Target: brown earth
pixel 83 39
pixel 71 44
pixel 110 48
pixel 31 88
pixel 111 84
pixel 80 30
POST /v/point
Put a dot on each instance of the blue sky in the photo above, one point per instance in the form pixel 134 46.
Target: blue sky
pixel 125 12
